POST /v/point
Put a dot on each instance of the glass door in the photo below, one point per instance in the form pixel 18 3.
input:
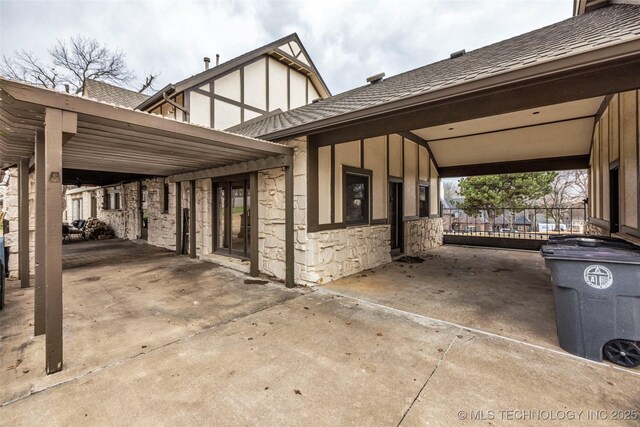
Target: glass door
pixel 231 216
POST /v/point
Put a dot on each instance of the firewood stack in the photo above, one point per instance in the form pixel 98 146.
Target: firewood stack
pixel 99 230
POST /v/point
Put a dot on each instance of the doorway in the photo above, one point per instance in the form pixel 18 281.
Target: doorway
pixel 614 200
pixel 395 215
pixel 232 210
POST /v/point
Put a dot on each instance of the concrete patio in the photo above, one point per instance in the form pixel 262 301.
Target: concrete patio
pixel 151 338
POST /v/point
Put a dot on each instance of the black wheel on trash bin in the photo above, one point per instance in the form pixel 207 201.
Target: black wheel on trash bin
pixel 623 352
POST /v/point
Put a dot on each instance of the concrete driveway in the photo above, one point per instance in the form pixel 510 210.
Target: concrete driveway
pixel 263 355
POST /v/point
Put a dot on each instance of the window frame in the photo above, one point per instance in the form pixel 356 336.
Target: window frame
pixel 165 197
pixel 427 187
pixel 360 172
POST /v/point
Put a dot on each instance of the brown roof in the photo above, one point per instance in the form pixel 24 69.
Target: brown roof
pixel 590 31
pixel 105 92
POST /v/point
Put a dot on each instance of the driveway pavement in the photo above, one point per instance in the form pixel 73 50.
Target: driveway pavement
pixel 265 355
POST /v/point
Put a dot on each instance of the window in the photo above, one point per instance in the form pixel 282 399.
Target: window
pixel 76 209
pixel 111 200
pixel 423 200
pixel 356 198
pixel 165 198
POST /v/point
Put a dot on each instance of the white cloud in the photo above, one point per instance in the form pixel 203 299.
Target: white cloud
pixel 348 40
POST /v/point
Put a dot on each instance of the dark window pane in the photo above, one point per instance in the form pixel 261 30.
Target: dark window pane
pixel 423 200
pixel 357 199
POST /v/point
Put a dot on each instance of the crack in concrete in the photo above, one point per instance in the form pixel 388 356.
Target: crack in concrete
pixel 413 316
pixel 127 359
pixel 444 354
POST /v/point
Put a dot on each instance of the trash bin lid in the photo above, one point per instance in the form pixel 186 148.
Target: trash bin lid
pixel 591 248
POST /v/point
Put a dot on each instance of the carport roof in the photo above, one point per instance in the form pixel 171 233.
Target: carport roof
pixel 116 139
pixel 602 28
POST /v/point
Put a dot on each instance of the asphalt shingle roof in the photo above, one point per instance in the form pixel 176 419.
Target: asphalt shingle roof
pixel 586 32
pixel 105 92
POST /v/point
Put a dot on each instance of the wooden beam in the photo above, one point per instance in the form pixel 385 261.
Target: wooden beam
pixel 178 197
pixel 23 222
pixel 39 320
pixel 253 223
pixel 192 219
pixel 289 229
pixel 423 142
pixel 535 165
pixel 53 238
pixel 236 168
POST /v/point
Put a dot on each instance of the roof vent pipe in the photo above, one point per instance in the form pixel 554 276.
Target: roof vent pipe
pixel 206 62
pixel 217 59
pixel 375 79
pixel 458 54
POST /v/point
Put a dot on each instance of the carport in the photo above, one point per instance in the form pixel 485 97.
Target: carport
pixel 68 139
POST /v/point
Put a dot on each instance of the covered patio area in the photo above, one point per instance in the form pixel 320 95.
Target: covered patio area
pixel 71 140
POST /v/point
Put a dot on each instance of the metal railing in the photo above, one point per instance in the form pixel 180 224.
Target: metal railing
pixel 530 223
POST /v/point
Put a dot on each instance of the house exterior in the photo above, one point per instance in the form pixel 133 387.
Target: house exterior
pixel 366 163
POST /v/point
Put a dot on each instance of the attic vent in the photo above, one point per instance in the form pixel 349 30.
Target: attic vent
pixel 375 79
pixel 458 54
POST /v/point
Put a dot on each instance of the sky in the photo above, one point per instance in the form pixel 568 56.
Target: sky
pixel 347 40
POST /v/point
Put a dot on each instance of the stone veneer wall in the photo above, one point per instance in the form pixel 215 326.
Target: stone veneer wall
pixel 421 235
pixel 11 209
pixel 593 229
pixel 333 254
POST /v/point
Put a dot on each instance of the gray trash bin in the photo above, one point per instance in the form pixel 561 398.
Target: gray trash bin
pixel 596 289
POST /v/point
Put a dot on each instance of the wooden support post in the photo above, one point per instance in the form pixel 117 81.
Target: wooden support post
pixel 192 219
pixel 290 255
pixel 23 222
pixel 39 320
pixel 178 218
pixel 53 137
pixel 253 224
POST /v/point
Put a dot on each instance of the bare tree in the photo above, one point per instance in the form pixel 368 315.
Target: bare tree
pixel 568 190
pixel 73 62
pixel 449 189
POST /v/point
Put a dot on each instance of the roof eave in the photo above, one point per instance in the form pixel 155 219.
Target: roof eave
pixel 625 48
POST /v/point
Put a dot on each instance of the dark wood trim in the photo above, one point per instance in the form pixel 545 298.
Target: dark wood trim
pixel 306 90
pixel 243 105
pixel 395 179
pixel 23 223
pixel 630 231
pixel 350 170
pixel 312 185
pixel 615 165
pixel 212 106
pixel 214 216
pixel 267 81
pixel 519 90
pixel 333 184
pixel 422 142
pixel 289 228
pixel 381 221
pixel 325 227
pixel 362 153
pixel 537 165
pixel 253 221
pixel 411 218
pixel 288 88
pixel 600 222
pixel 178 206
pixel 192 219
pixel 39 318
